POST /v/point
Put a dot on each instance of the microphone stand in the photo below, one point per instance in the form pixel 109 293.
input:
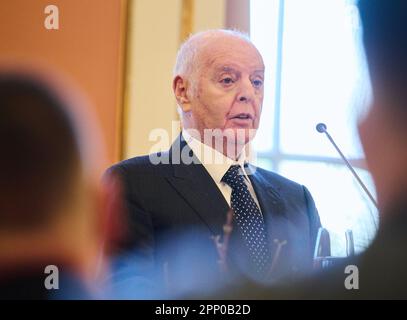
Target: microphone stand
pixel 321 128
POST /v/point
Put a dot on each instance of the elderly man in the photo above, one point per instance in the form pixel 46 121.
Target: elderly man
pixel 218 85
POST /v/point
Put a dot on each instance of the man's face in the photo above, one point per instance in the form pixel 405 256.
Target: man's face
pixel 228 92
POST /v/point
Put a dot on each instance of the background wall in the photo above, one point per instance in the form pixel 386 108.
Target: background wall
pixel 152 43
pixel 88 48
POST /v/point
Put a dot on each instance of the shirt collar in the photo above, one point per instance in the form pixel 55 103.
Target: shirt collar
pixel 214 161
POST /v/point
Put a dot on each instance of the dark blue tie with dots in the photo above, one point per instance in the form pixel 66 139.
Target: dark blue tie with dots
pixel 249 219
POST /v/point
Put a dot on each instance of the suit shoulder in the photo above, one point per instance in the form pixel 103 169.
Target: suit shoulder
pixel 277 179
pixel 141 165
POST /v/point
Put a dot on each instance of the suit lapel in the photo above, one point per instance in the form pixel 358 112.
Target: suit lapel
pixel 272 206
pixel 270 201
pixel 197 187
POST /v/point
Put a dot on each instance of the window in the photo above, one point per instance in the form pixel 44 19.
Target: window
pixel 315 72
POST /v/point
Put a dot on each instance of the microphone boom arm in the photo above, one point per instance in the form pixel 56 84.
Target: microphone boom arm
pixel 321 127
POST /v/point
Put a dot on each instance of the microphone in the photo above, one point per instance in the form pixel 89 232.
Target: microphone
pixel 321 128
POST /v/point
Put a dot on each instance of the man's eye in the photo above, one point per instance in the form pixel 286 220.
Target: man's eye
pixel 257 83
pixel 227 80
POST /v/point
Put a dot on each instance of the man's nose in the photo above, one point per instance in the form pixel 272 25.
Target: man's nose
pixel 246 92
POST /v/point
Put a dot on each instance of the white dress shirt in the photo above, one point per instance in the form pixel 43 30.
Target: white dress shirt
pixel 217 164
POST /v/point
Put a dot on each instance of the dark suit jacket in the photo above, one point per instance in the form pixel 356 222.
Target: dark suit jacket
pixel 175 208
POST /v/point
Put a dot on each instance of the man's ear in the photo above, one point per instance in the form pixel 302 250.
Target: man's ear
pixel 180 86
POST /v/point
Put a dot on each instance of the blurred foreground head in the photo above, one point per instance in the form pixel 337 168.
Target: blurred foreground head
pixel 50 163
pixel 383 131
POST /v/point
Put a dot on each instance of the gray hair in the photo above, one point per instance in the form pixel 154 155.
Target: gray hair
pixel 186 62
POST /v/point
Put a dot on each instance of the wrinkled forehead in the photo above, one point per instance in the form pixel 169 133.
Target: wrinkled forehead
pixel 229 50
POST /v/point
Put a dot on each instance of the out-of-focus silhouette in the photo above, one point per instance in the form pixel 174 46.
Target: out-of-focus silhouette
pixel 53 220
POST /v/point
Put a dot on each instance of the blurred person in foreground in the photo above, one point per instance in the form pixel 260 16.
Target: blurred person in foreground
pixel 380 272
pixel 178 200
pixel 53 222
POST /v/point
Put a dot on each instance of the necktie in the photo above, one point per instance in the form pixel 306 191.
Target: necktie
pixel 249 219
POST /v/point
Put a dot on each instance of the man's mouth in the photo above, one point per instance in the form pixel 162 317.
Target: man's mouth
pixel 243 116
